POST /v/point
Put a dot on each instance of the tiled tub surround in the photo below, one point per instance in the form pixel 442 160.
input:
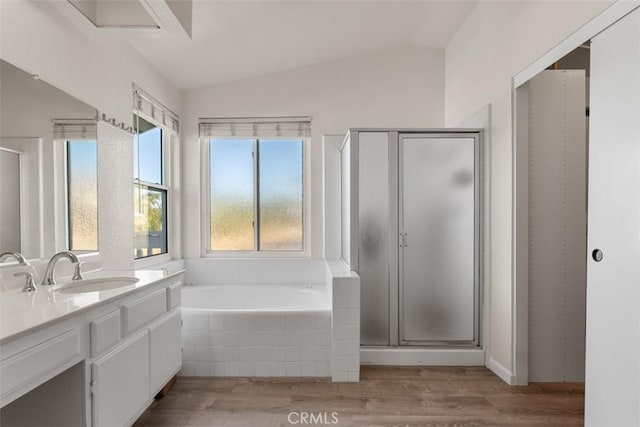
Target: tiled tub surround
pixel 263 344
pixel 264 332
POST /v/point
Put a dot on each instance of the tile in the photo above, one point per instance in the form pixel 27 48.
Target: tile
pixel 293 337
pixel 247 354
pixel 293 369
pixel 262 354
pixel 232 369
pixel 276 322
pixel 217 354
pixel 194 339
pixel 277 337
pixel 200 322
pixel 216 369
pixel 201 369
pixel 188 369
pixel 292 353
pixel 346 332
pixel 216 322
pixel 231 353
pixel 354 376
pixel 217 338
pixel 308 353
pixel 278 354
pixel 308 369
pixel 247 369
pixel 323 353
pixel 263 369
pixel 323 369
pixel 261 338
pixel 233 322
pixel 277 369
pixel 340 376
pixel 189 354
pixel 346 348
pixel 322 337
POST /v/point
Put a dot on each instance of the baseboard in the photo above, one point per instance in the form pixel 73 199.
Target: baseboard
pixel 501 371
pixel 422 356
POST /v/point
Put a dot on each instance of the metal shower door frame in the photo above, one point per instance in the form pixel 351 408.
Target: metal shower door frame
pixel 394 222
pixel 478 235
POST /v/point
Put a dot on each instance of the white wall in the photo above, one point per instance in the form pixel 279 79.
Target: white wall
pixel 398 87
pixel 498 40
pixel 39 40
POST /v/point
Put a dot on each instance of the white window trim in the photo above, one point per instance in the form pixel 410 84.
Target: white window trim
pixel 167 184
pixel 205 203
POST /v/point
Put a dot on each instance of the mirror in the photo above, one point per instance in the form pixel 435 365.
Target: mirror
pixel 48 163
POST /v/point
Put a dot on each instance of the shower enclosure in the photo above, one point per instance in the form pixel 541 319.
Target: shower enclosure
pixel 411 228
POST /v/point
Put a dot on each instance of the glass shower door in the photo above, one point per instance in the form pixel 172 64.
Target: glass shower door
pixel 438 239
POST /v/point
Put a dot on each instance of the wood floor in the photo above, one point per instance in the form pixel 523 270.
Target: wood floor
pixel 385 396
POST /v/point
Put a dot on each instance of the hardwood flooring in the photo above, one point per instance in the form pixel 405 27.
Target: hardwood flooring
pixel 385 396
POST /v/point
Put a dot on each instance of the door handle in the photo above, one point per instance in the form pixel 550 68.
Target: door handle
pixel 403 240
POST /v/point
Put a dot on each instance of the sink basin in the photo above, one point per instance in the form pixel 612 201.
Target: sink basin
pixel 95 285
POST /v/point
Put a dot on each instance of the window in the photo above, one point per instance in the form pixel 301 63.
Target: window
pixel 149 190
pixel 256 200
pixel 82 194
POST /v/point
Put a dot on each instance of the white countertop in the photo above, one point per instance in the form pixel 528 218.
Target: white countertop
pixel 22 312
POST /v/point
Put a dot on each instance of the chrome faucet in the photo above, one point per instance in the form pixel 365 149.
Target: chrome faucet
pixel 49 278
pixel 17 255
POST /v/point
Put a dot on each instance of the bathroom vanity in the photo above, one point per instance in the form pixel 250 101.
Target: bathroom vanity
pixel 97 358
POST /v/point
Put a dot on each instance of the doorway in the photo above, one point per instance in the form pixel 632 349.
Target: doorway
pixel 552 117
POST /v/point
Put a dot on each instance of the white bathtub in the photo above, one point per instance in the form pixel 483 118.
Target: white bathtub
pixel 256 298
pixel 256 330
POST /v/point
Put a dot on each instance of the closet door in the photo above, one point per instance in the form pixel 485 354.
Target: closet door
pixel 438 224
pixel 612 386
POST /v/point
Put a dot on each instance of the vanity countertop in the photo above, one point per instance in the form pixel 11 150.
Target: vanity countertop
pixel 21 312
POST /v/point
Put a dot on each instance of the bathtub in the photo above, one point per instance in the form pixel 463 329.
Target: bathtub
pixel 261 330
pixel 256 298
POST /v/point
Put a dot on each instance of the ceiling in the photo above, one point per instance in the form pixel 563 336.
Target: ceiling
pixel 233 40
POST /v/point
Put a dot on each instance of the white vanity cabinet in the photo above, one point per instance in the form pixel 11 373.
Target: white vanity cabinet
pixel 132 369
pixel 118 354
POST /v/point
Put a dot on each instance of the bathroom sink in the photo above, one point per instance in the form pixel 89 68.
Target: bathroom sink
pixel 95 285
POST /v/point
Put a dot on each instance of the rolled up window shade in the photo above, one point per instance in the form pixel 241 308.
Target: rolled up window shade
pixel 155 110
pixel 282 127
pixel 74 129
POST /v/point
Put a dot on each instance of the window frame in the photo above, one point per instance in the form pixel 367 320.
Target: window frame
pixel 205 214
pixel 166 171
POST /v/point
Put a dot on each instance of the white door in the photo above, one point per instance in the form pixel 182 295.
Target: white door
pixel 613 284
pixel 165 350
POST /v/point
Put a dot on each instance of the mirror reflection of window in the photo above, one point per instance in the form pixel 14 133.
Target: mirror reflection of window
pixel 82 195
pixel 10 235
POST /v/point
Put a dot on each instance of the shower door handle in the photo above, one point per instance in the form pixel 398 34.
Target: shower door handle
pixel 403 240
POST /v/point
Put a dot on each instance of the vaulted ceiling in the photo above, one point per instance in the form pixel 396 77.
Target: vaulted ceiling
pixel 237 39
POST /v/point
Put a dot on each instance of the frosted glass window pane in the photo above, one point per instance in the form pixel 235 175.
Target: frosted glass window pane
pixel 149 221
pixel 231 177
pixel 147 152
pixel 280 194
pixel 82 195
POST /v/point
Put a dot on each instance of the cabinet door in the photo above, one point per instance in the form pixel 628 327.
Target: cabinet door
pixel 166 350
pixel 121 383
pixel 612 389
